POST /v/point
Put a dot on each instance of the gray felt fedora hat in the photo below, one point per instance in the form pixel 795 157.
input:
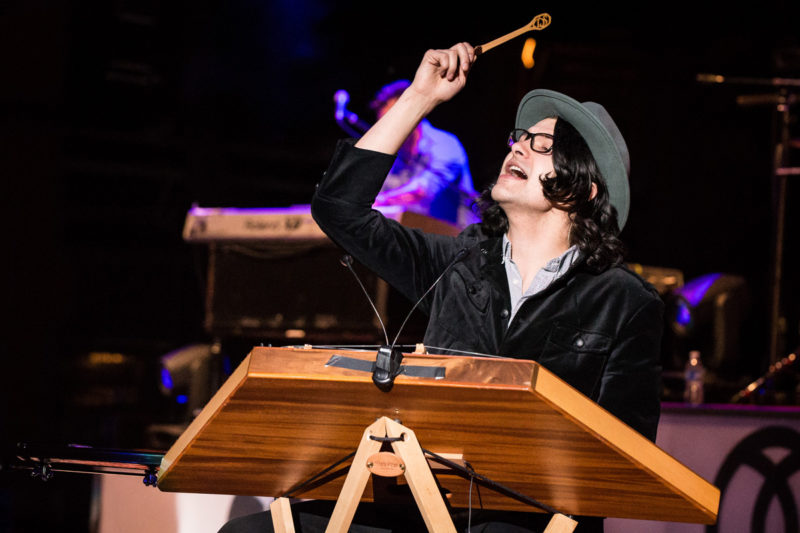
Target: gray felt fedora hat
pixel 598 130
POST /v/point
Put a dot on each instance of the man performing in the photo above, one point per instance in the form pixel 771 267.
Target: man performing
pixel 542 278
pixel 431 171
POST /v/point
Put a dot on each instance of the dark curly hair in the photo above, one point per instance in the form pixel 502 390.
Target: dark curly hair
pixel 594 228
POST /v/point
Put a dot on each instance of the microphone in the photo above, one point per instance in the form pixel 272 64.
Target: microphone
pixel 389 358
pixel 347 120
pixel 387 364
pixel 341 97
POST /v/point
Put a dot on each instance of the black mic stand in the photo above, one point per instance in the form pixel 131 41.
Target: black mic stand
pixel 388 362
pixel 781 100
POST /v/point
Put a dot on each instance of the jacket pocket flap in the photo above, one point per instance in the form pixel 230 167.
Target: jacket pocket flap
pixel 580 341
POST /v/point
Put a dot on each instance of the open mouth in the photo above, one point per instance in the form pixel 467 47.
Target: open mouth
pixel 517 171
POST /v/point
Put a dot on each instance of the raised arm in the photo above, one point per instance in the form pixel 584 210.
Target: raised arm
pixel 342 205
pixel 440 76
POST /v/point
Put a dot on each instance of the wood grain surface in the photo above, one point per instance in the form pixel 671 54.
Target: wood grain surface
pixel 284 416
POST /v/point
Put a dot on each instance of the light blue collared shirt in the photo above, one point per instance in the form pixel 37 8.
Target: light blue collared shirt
pixel 554 269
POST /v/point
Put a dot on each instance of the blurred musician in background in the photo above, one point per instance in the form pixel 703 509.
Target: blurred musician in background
pixel 431 173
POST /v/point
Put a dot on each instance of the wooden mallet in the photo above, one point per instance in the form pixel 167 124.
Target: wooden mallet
pixel 539 22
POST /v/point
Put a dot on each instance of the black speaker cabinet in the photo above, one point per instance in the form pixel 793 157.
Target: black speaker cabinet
pixel 298 292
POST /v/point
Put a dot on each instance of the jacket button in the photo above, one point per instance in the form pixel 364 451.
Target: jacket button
pixel 504 313
pixel 579 342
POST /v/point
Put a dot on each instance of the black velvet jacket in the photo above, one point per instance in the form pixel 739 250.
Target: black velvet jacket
pixel 600 332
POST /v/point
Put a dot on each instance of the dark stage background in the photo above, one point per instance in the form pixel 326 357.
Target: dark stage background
pixel 117 116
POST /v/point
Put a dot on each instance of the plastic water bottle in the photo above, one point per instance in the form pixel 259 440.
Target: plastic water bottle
pixel 694 375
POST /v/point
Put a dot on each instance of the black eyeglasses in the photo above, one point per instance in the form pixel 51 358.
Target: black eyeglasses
pixel 540 142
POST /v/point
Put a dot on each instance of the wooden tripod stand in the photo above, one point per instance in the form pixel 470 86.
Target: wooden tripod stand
pixel 411 463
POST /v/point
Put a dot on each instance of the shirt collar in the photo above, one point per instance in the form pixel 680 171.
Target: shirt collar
pixel 554 265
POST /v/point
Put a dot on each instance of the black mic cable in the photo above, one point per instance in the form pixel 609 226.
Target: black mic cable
pixel 459 256
pixel 347 260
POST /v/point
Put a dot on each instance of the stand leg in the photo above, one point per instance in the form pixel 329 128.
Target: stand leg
pixel 281 513
pixel 420 479
pixel 417 473
pixel 356 480
pixel 560 524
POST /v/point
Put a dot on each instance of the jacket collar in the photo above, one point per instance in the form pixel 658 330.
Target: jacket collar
pixel 491 266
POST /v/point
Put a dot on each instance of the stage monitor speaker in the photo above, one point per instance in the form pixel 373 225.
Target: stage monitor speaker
pixel 299 293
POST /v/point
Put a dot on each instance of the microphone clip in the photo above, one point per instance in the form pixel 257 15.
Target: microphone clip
pixel 387 367
pixel 387 363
